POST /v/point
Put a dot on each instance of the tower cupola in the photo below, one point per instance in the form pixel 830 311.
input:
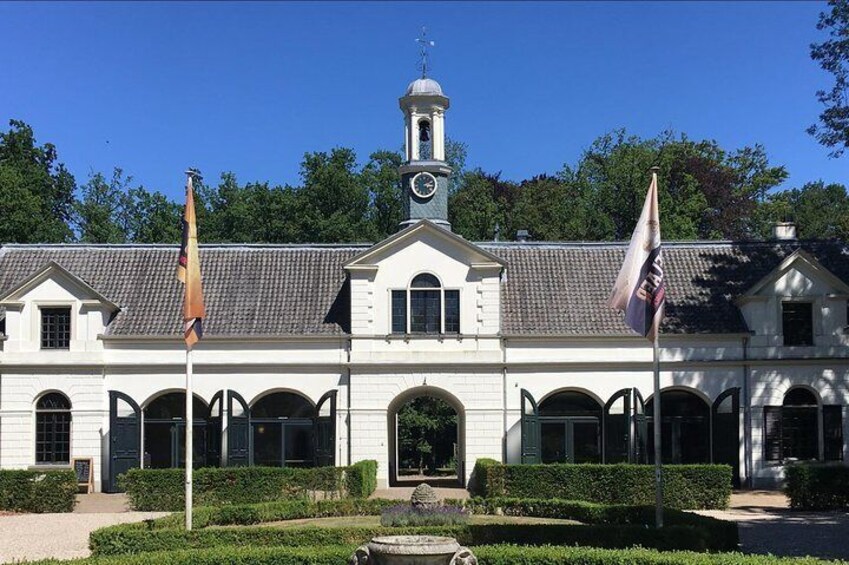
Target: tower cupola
pixel 425 172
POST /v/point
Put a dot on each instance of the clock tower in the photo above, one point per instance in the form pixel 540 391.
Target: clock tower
pixel 424 175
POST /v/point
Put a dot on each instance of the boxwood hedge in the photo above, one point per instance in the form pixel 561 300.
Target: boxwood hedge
pixel 164 490
pixel 609 526
pixel 685 486
pixel 38 491
pixel 486 554
pixel 817 486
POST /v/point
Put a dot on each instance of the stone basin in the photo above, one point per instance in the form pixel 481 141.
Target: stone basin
pixel 413 550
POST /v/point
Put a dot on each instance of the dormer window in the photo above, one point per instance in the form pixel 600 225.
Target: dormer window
pixel 426 308
pixel 56 328
pixel 797 320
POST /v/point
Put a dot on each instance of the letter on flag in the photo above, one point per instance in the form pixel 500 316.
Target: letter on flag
pixel 640 290
pixel 188 272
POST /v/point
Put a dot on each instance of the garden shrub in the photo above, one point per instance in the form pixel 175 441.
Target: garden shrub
pixel 361 478
pixel 685 486
pixel 486 554
pixel 38 491
pixel 478 485
pixel 164 489
pixel 817 486
pixel 403 515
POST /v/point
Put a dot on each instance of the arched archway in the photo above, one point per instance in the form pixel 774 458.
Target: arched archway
pixel 426 438
pixel 685 427
pixel 570 427
pixel 164 431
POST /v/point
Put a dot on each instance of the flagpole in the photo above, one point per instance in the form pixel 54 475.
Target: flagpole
pixel 189 437
pixel 658 468
pixel 658 451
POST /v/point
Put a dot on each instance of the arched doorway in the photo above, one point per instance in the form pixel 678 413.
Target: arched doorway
pixel 426 438
pixel 570 428
pixel 685 428
pixel 164 435
pixel 282 430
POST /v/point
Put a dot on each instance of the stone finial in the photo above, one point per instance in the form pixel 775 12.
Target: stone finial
pixel 424 497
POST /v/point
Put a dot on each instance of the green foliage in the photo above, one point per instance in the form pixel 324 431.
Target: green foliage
pixel 685 486
pixel 833 57
pixel 164 489
pixel 478 482
pixel 817 486
pixel 361 478
pixel 38 491
pixel 427 431
pixel 404 515
pixel 36 191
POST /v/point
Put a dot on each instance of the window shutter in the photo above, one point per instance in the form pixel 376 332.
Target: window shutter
pixel 832 425
pixel 530 429
pixel 772 433
pixel 399 311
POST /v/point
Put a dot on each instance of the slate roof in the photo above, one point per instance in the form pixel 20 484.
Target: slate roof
pixel 550 288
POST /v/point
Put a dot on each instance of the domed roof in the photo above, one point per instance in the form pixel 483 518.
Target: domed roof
pixel 424 87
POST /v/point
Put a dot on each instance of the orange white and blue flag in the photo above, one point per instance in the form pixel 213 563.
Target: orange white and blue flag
pixel 640 289
pixel 188 272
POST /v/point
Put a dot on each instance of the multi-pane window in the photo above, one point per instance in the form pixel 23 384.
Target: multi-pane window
pixel 53 429
pixel 55 328
pixel 792 430
pixel 798 323
pixel 431 309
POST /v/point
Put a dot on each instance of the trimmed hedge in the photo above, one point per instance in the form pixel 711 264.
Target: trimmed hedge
pixel 685 486
pixel 479 485
pixel 361 478
pixel 164 489
pixel 486 554
pixel 610 526
pixel 817 487
pixel 38 491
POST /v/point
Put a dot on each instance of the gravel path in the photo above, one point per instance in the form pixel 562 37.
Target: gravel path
pixel 60 536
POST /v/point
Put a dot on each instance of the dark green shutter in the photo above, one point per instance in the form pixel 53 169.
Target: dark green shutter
pixel 772 433
pixel 214 426
pixel 832 427
pixel 325 430
pixel 238 431
pixel 530 429
pixel 639 451
pixel 124 438
pixel 725 436
pixel 616 428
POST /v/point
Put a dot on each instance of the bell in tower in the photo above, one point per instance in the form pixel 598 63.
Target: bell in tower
pixel 424 174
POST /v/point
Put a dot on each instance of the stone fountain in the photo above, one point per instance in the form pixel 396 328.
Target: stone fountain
pixel 414 550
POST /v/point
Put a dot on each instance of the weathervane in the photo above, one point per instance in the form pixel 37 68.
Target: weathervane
pixel 424 44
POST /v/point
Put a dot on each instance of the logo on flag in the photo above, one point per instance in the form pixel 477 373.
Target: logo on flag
pixel 640 289
pixel 188 272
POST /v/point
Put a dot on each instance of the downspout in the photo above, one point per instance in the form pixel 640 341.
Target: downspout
pixel 504 399
pixel 348 401
pixel 747 416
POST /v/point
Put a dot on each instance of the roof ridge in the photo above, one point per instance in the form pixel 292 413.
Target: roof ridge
pixel 142 246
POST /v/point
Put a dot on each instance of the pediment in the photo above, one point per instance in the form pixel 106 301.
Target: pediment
pixel 799 274
pixel 64 279
pixel 433 236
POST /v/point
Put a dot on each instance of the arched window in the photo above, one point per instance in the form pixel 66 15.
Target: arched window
pixel 792 430
pixel 53 429
pixel 685 428
pixel 570 428
pixel 427 306
pixel 165 431
pixel 425 141
pixel 282 430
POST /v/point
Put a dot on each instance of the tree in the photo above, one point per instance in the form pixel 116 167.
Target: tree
pixel 152 218
pixel 833 56
pixel 380 177
pixel 805 207
pixel 481 203
pixel 100 215
pixel 36 192
pixel 427 432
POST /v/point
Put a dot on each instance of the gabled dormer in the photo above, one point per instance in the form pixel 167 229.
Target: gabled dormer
pixel 52 311
pixel 425 281
pixel 800 303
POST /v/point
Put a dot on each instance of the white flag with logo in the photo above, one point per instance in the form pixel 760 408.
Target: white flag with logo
pixel 640 289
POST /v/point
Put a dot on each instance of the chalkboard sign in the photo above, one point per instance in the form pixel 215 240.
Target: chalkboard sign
pixel 83 471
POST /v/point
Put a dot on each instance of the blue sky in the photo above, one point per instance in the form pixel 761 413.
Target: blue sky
pixel 249 87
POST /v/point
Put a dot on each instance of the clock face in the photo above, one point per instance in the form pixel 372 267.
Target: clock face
pixel 423 185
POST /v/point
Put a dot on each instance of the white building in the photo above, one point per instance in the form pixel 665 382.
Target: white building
pixel 310 350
